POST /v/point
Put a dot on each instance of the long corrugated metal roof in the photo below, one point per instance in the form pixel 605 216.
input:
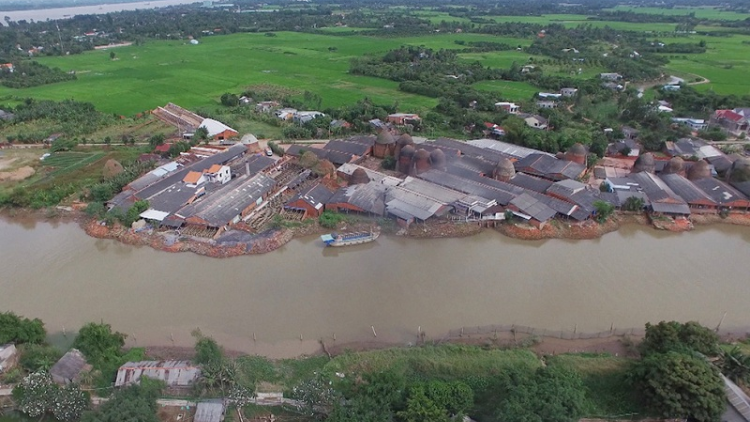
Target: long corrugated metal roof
pixel 431 190
pixel 222 207
pixel 549 167
pixel 686 189
pixel 527 204
pixel 525 181
pixel 669 208
pixel 174 373
pixel 368 196
pixel 721 192
pixel 511 150
pixel 209 411
pixel 467 186
pixel 348 169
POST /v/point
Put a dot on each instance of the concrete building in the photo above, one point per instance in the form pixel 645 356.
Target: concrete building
pixel 217 130
pixel 511 108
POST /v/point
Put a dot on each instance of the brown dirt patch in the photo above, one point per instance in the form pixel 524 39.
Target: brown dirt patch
pixel 734 218
pixel 436 229
pixel 175 414
pixel 17 175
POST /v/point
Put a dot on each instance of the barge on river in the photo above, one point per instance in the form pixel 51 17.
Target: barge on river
pixel 346 239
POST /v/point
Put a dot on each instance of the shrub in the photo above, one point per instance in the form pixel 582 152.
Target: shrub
pixel 330 220
pixel 15 329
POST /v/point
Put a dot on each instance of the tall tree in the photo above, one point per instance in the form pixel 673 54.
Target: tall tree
pixel 678 385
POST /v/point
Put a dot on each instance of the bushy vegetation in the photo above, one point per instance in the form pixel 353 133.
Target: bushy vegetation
pixel 674 359
pixel 134 403
pixel 27 74
pixel 19 330
pixel 37 395
pixel 330 219
pixel 103 349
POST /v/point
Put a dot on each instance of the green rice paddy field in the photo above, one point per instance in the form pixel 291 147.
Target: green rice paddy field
pixel 143 77
pixel 700 12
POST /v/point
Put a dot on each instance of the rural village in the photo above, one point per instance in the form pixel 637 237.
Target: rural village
pixel 232 189
pixel 424 119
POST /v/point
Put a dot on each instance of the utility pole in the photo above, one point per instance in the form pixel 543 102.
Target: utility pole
pixel 59 36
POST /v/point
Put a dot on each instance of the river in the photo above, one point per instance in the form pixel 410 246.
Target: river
pixel 54 271
pixel 65 12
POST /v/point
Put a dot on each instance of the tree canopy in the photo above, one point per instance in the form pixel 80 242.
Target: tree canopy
pixel 678 385
pixel 16 329
pixel 674 336
pixel 550 394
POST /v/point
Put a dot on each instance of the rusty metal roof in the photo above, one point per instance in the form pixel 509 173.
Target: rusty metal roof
pixel 175 373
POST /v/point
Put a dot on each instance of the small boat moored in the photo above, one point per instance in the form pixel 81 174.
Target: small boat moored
pixel 346 239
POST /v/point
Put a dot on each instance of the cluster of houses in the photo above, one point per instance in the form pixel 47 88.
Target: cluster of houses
pixel 482 180
pixel 214 188
pixel 210 187
pixel 179 377
pixel 532 120
pixel 692 177
pixel 734 122
pixel 471 181
pixel 544 100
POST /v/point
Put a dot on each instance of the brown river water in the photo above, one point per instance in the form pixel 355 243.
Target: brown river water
pixel 66 12
pixel 55 272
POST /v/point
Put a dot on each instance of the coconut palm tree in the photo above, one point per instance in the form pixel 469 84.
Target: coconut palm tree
pixel 735 365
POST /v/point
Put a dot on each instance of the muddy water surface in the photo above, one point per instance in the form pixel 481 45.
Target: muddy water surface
pixel 55 272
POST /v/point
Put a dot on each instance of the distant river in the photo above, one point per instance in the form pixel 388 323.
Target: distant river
pixel 55 272
pixel 66 12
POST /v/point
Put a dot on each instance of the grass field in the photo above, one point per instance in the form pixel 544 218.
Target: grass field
pixel 725 63
pixel 604 377
pixel 700 12
pixel 196 75
pixel 509 90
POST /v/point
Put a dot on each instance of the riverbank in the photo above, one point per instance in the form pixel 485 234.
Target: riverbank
pixel 241 242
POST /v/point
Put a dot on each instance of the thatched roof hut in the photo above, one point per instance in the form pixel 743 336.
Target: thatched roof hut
pixel 578 149
pixel 437 159
pixel 676 165
pixel 405 158
pixel 407 151
pixel 403 140
pixel 504 170
pixel 645 163
pixel 359 177
pixel 421 160
pixel 385 138
pixel 69 368
pixel 699 170
pixel 112 168
pixel 385 145
pixel 740 171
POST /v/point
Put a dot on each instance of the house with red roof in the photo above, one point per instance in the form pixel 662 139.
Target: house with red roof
pixel 734 122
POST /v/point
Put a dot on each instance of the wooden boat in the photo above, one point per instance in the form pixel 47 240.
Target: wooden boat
pixel 347 239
